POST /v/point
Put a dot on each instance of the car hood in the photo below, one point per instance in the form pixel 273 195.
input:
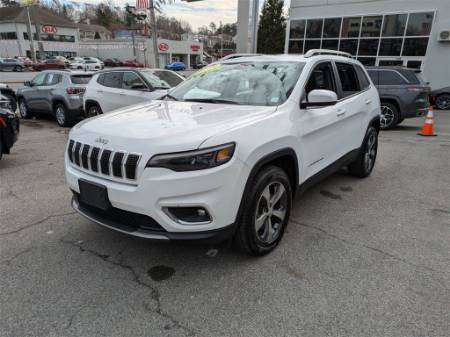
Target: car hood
pixel 164 126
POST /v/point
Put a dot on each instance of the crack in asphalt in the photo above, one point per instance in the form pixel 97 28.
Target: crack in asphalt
pixel 378 250
pixel 15 256
pixel 18 230
pixel 155 295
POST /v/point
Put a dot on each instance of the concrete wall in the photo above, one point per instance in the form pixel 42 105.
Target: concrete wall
pixel 436 66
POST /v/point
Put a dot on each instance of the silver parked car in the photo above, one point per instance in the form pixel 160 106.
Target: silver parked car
pixel 10 64
pixel 56 92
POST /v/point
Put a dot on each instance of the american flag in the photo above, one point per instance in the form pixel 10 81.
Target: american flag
pixel 142 4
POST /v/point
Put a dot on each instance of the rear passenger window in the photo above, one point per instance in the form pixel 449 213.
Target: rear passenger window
pixel 113 79
pixel 363 80
pixel 349 79
pixel 321 78
pixel 390 77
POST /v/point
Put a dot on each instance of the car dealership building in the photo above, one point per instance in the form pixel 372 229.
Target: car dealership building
pixel 411 33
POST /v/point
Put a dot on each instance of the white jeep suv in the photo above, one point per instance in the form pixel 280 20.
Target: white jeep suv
pixel 224 153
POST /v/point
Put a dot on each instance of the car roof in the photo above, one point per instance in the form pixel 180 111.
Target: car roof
pixel 288 58
pixel 68 72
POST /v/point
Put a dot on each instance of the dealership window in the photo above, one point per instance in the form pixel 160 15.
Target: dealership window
pixel 419 24
pixel 314 29
pixel 297 29
pixel 8 36
pixel 351 27
pixel 330 44
pixel 368 47
pixel 390 47
pixel 25 36
pixel 312 44
pixel 367 61
pixel 414 64
pixel 390 63
pixel 394 25
pixel 349 46
pixel 415 46
pixel 296 46
pixel 371 26
pixel 332 28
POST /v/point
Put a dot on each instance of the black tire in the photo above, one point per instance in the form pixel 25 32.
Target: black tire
pixel 389 116
pixel 363 165
pixel 443 102
pixel 12 101
pixel 247 238
pixel 62 116
pixel 400 121
pixel 17 68
pixel 24 111
pixel 93 110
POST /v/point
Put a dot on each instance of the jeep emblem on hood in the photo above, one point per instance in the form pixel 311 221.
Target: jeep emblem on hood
pixel 102 140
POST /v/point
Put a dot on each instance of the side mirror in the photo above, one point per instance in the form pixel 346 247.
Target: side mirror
pixel 320 98
pixel 28 83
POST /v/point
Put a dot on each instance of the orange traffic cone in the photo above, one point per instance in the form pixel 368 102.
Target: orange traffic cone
pixel 428 126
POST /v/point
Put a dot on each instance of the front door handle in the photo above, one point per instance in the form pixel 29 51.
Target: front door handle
pixel 368 101
pixel 341 112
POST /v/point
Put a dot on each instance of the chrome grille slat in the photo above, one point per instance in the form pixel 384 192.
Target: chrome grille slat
pixel 104 162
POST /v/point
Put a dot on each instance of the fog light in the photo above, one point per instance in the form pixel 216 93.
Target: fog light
pixel 188 215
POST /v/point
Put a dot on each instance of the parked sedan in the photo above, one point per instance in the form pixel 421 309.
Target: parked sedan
pixel 132 64
pixel 50 64
pixel 112 62
pixel 200 65
pixel 441 98
pixel 176 66
pixel 55 92
pixel 9 127
pixel 403 94
pixel 86 65
pixel 113 89
pixel 11 64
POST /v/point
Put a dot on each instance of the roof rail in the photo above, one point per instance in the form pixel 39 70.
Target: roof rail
pixel 315 52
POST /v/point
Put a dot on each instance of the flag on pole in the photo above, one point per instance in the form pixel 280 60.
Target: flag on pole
pixel 142 4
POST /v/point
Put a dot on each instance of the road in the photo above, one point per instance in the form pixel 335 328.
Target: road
pixel 360 257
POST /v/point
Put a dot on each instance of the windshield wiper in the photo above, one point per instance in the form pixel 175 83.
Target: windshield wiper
pixel 171 97
pixel 211 100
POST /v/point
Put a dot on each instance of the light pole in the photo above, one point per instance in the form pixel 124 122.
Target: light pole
pixel 30 34
pixel 154 32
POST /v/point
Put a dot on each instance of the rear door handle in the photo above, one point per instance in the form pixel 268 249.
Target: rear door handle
pixel 368 101
pixel 100 91
pixel 341 112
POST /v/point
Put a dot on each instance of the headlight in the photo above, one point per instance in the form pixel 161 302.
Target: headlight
pixel 194 160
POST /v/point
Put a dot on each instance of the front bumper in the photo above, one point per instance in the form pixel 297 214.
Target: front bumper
pixel 218 190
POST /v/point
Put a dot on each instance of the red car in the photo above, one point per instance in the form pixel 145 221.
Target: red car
pixel 50 64
pixel 133 64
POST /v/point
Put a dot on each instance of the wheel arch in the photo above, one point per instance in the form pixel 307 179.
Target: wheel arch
pixel 90 102
pixel 56 101
pixel 394 101
pixel 286 159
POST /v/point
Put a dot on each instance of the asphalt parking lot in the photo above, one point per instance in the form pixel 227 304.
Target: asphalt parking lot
pixel 360 257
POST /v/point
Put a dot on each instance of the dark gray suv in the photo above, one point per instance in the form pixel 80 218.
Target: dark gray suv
pixel 56 92
pixel 403 94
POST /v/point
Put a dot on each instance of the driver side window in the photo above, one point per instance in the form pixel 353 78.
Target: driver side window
pixel 39 80
pixel 131 81
pixel 322 77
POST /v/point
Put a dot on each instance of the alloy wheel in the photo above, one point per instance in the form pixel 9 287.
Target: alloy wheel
pixel 271 212
pixel 23 109
pixel 93 111
pixel 387 116
pixel 60 115
pixel 443 102
pixel 371 152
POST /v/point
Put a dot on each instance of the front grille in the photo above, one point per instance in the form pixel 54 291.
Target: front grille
pixel 107 162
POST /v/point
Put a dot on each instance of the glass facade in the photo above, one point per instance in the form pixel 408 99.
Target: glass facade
pixel 371 38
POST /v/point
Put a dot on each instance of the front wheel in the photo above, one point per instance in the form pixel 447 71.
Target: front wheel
pixel 93 111
pixel 443 102
pixel 363 165
pixel 267 206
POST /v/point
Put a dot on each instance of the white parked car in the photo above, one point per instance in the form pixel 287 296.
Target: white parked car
pixel 89 65
pixel 113 89
pixel 90 58
pixel 225 153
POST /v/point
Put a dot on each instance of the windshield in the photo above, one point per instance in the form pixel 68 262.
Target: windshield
pixel 160 79
pixel 258 83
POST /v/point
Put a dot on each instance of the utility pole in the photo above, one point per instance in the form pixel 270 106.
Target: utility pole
pixel 154 32
pixel 30 35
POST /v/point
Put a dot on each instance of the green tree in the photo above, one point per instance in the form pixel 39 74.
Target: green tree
pixel 106 15
pixel 272 28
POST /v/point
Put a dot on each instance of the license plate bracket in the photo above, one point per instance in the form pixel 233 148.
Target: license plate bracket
pixel 94 194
